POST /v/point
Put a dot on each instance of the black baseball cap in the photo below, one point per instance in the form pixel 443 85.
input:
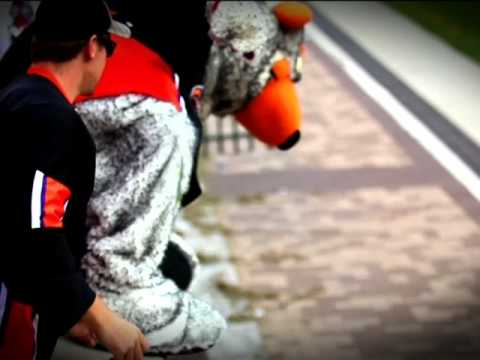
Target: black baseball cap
pixel 71 20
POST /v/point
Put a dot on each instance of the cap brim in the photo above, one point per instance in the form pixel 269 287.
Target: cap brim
pixel 120 29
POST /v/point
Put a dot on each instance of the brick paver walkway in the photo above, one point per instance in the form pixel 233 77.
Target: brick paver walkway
pixel 356 244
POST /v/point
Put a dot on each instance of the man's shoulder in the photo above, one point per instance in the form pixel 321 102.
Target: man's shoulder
pixel 44 118
pixel 32 97
pixel 33 92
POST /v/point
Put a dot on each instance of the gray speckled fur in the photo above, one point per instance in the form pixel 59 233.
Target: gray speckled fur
pixel 144 161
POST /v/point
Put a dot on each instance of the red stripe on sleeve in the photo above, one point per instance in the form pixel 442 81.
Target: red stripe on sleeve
pixel 56 198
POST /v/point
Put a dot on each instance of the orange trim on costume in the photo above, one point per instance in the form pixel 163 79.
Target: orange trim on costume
pixel 293 14
pixel 56 196
pixel 47 74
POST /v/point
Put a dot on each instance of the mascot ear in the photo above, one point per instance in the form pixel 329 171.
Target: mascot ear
pixel 210 8
pixel 293 15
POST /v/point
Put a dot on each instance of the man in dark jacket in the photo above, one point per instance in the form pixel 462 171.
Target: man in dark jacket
pixel 50 158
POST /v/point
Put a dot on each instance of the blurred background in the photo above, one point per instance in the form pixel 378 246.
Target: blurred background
pixel 363 241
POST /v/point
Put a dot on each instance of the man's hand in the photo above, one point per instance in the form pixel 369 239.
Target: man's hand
pixel 123 339
pixel 82 334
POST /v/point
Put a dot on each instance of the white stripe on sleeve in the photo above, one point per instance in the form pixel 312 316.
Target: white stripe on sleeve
pixel 37 200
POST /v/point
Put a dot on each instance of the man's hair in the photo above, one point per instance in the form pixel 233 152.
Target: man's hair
pixel 55 51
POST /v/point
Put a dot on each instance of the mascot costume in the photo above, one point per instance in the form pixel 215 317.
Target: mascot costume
pixel 147 140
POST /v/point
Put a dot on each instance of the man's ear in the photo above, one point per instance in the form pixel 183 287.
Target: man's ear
pixel 91 48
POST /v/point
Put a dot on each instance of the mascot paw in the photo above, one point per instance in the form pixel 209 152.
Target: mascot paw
pixel 197 95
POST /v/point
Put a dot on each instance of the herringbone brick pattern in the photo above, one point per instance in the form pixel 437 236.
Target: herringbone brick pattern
pixel 381 261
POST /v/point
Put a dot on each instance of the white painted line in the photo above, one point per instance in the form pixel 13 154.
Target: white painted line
pixel 404 118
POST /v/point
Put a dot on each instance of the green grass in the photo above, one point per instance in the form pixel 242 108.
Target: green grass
pixel 456 22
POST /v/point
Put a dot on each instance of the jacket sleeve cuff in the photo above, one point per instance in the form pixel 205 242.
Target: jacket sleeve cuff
pixel 70 299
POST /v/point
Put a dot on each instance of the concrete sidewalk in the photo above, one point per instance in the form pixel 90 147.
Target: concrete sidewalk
pixel 437 72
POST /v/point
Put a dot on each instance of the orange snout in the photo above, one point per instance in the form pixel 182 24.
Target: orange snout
pixel 274 116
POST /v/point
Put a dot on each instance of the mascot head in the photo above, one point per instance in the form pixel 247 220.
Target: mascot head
pixel 254 61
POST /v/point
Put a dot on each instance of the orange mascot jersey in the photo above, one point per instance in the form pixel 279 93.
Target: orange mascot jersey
pixel 136 69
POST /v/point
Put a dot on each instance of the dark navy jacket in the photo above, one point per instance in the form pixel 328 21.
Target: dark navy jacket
pixel 48 178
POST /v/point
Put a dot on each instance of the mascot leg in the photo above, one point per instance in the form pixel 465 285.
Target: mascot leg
pixel 135 261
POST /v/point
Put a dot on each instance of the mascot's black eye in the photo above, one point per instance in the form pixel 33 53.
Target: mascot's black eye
pixel 249 55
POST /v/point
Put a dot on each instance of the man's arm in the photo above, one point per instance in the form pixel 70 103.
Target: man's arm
pixel 38 266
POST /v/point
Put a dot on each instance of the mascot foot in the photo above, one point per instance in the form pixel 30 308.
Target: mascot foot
pixel 173 321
